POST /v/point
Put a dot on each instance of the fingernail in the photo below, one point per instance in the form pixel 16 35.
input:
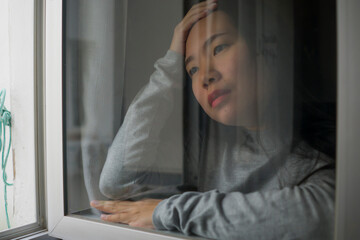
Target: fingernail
pixel 103 216
pixel 94 203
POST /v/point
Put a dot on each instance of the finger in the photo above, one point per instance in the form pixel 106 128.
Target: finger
pixel 117 217
pixel 193 19
pixel 200 10
pixel 96 203
pixel 190 19
pixel 111 217
pixel 104 207
pixel 110 206
pixel 202 4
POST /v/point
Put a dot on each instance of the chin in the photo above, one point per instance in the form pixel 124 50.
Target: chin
pixel 228 122
pixel 228 118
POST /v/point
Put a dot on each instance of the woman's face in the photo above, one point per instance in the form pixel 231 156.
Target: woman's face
pixel 217 59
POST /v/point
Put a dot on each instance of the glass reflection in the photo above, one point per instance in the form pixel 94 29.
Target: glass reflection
pixel 226 140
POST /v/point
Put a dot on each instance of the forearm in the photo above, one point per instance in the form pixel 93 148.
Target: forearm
pixel 134 151
pixel 301 212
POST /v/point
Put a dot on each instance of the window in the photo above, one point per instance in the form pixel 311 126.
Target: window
pixel 74 213
pixel 22 201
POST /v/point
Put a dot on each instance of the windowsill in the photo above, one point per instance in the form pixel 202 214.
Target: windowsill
pixel 94 215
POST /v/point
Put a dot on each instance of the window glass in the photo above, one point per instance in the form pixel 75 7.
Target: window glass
pixel 208 118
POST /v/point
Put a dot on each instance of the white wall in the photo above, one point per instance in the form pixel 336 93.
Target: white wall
pixel 17 76
pixel 5 83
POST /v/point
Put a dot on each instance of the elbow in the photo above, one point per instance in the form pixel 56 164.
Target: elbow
pixel 107 180
pixel 113 182
pixel 111 187
pixel 120 180
pixel 119 184
pixel 107 186
pixel 115 185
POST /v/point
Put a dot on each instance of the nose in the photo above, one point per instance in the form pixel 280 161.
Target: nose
pixel 210 75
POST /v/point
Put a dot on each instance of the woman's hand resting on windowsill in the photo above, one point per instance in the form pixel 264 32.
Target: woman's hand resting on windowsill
pixel 135 214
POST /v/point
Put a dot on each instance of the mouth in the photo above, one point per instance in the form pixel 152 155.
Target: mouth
pixel 217 96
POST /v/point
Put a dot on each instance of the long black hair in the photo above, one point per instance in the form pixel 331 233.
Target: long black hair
pixel 314 97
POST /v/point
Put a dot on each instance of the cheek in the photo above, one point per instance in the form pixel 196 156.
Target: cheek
pixel 231 65
pixel 200 94
pixel 236 71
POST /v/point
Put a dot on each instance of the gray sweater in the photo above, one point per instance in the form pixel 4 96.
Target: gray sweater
pixel 247 188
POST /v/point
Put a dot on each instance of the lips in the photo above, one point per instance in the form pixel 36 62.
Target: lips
pixel 217 96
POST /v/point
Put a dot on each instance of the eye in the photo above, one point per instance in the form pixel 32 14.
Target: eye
pixel 193 70
pixel 219 48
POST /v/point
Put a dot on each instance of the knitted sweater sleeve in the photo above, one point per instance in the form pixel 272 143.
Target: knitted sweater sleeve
pixel 131 163
pixel 300 212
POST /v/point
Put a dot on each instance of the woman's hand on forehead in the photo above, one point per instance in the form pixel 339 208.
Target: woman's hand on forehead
pixel 181 31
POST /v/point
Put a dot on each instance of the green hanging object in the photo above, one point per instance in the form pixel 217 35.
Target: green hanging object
pixel 5 121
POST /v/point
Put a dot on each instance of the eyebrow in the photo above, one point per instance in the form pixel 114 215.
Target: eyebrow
pixel 212 38
pixel 206 44
pixel 189 59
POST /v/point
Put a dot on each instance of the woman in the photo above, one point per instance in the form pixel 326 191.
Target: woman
pixel 254 180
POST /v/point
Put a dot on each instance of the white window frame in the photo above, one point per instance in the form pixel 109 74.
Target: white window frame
pixel 347 195
pixel 347 213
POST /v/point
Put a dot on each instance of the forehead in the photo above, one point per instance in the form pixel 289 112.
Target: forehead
pixel 217 22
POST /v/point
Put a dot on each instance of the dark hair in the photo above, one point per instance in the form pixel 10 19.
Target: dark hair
pixel 241 14
pixel 314 118
pixel 315 84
